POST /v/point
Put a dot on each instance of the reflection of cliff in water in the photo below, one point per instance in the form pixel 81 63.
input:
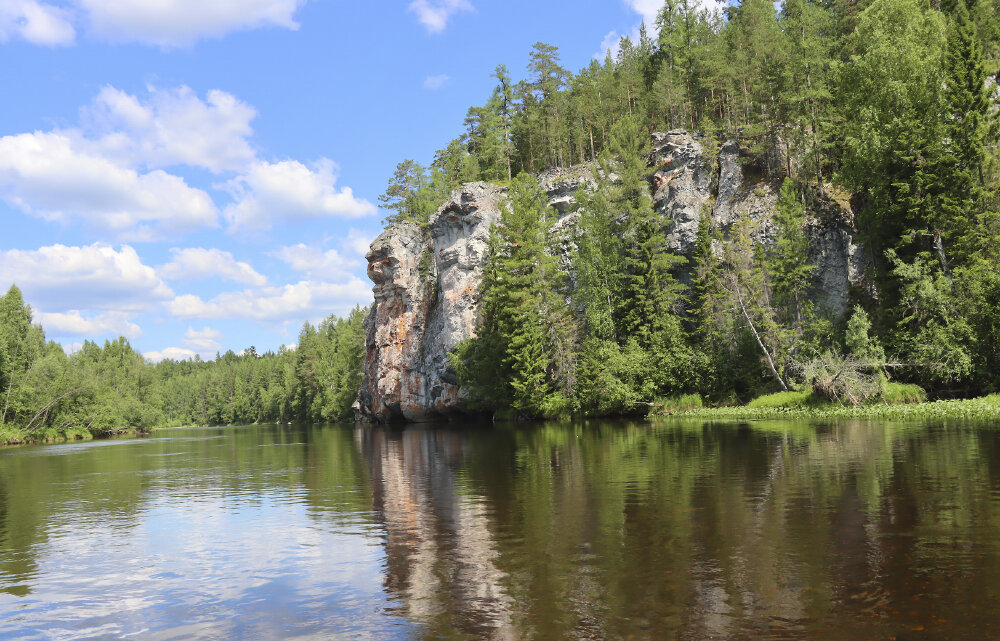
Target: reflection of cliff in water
pixel 686 531
pixel 441 555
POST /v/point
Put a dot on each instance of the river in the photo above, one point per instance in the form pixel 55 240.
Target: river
pixel 602 530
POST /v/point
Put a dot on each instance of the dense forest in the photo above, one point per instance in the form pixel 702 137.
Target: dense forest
pixel 890 105
pixel 110 389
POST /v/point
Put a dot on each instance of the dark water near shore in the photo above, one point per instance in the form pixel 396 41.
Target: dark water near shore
pixel 599 531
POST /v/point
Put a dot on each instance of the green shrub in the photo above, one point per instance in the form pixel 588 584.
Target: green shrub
pixel 798 398
pixel 681 403
pixel 902 393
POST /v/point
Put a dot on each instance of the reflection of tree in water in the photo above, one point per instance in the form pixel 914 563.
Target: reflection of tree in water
pixel 697 531
pixel 441 553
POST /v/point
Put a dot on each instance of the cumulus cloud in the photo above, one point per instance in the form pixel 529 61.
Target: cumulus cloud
pixel 305 299
pixel 435 14
pixel 170 353
pixel 313 262
pixel 164 23
pixel 289 190
pixel 60 279
pixel 647 9
pixel 46 175
pixel 197 263
pixel 170 127
pixel 204 340
pixel 36 22
pixel 109 172
pixel 73 323
pixel 436 82
pixel 358 242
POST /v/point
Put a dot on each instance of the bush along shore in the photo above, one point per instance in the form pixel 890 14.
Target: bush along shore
pixel 806 405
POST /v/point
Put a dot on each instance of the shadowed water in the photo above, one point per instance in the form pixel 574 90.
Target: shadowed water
pixel 605 530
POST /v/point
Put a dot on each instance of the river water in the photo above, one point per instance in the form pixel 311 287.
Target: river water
pixel 603 530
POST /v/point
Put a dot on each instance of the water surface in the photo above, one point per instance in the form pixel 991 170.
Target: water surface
pixel 603 530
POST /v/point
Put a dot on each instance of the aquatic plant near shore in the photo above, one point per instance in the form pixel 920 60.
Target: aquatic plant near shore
pixel 987 407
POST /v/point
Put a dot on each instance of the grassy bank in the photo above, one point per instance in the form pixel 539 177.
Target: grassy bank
pixel 804 405
pixel 13 436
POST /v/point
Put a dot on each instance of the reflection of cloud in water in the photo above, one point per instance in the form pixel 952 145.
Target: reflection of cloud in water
pixel 220 567
pixel 441 554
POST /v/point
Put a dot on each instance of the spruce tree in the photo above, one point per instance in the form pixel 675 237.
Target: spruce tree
pixel 788 264
pixel 968 118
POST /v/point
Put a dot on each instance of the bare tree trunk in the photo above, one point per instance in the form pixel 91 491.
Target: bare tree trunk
pixel 767 354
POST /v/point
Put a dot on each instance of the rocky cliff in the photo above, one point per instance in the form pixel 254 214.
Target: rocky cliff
pixel 426 301
pixel 427 281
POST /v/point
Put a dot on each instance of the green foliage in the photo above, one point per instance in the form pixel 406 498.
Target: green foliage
pixel 792 398
pixel 983 408
pixel 679 403
pixel 931 331
pixel 861 343
pixel 111 390
pixel 900 393
pixel 524 357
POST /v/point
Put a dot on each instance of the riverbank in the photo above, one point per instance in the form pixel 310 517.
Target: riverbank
pixel 10 436
pixel 987 407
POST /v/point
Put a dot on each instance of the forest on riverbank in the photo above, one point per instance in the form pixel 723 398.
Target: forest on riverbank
pixel 889 105
pixel 110 390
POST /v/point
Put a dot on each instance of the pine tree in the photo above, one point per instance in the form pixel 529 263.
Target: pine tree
pixel 402 194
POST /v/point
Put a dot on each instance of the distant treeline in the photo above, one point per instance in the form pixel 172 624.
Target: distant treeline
pixel 106 390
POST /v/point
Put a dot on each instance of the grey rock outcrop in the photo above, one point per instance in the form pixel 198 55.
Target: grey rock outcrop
pixel 426 302
pixel 427 281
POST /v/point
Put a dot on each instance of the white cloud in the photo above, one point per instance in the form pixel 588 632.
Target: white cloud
pixel 610 42
pixel 108 173
pixel 434 14
pixel 36 22
pixel 178 23
pixel 315 263
pixel 170 353
pixel 205 340
pixel 359 242
pixel 305 299
pixel 289 190
pixel 197 263
pixel 44 174
pixel 72 348
pixel 62 279
pixel 436 82
pixel 171 127
pixel 647 9
pixel 164 23
pixel 73 323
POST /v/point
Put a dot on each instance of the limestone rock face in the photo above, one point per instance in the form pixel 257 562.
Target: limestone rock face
pixel 426 302
pixel 394 328
pixel 684 189
pixel 427 281
pixel 561 185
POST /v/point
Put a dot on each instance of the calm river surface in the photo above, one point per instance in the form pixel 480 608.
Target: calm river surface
pixel 672 530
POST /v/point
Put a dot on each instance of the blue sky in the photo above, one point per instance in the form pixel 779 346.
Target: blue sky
pixel 202 175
